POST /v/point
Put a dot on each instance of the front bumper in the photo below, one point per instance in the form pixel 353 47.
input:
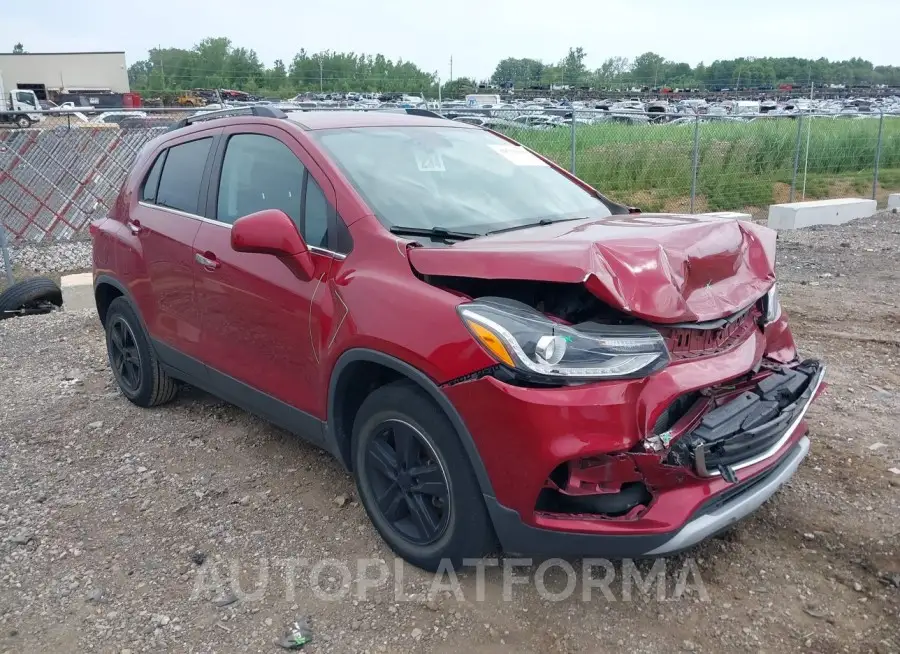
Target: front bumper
pixel 716 515
pixel 523 435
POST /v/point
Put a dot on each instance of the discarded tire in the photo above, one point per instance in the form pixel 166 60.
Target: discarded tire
pixel 31 296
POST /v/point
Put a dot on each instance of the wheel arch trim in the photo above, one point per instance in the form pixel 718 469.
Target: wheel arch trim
pixel 119 286
pixel 422 380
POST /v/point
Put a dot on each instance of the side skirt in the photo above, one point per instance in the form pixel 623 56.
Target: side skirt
pixel 195 373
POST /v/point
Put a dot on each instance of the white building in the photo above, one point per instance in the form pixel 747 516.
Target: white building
pixel 48 73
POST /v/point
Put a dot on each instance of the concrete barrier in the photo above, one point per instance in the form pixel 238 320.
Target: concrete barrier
pixel 894 201
pixel 77 291
pixel 794 215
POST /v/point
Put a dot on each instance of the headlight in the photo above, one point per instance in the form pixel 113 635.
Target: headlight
pixel 532 344
pixel 772 305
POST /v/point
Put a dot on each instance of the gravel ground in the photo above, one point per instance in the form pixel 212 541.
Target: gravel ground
pixel 43 259
pixel 116 523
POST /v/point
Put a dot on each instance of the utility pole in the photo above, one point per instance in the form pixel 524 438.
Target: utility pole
pixel 451 69
pixel 320 73
pixel 162 71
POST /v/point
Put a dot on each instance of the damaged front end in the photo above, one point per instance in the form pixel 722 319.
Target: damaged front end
pixel 643 369
pixel 711 433
pixel 690 401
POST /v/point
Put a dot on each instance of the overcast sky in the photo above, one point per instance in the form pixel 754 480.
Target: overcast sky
pixel 477 33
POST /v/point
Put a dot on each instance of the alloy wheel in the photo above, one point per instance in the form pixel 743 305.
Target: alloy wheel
pixel 408 483
pixel 124 355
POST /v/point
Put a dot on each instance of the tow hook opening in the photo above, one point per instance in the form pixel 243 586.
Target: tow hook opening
pixel 606 486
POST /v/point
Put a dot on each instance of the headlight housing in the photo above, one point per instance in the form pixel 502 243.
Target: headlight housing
pixel 536 347
pixel 772 305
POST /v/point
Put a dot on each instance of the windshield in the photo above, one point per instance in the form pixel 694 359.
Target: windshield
pixel 454 178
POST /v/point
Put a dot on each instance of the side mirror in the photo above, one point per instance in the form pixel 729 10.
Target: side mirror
pixel 271 231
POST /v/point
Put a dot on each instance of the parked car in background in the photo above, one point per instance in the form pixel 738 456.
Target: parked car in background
pixel 145 122
pixel 503 357
pixel 117 117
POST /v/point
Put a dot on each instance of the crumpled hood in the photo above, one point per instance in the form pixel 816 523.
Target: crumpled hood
pixel 663 268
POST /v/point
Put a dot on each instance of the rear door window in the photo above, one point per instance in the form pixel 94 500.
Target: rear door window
pixel 179 184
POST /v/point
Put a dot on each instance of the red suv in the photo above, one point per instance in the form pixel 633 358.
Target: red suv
pixel 502 356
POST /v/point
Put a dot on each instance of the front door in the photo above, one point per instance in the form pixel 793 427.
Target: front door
pixel 258 320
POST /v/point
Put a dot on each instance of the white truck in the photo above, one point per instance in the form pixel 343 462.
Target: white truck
pixel 18 106
pixel 482 99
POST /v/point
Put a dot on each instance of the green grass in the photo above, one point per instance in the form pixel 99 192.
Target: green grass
pixel 740 164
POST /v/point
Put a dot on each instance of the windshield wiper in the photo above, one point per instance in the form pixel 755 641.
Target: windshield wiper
pixel 434 232
pixel 540 223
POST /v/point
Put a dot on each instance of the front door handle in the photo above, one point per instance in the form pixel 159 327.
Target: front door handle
pixel 207 260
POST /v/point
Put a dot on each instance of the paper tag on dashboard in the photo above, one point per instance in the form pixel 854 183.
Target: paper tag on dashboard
pixel 430 163
pixel 518 155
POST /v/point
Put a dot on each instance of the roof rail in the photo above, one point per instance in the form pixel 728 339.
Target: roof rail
pixel 260 111
pixel 412 111
pixel 428 113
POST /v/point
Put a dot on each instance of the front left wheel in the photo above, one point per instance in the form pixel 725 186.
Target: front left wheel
pixel 415 480
pixel 132 359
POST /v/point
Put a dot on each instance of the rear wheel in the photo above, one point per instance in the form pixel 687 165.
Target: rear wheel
pixel 132 359
pixel 415 480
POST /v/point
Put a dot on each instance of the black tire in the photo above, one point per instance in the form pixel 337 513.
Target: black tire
pixel 35 295
pixel 23 121
pixel 148 385
pixel 465 530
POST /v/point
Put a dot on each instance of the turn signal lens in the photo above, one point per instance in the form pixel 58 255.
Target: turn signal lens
pixel 491 343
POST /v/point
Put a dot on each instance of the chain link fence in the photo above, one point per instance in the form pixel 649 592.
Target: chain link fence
pixel 720 163
pixel 66 170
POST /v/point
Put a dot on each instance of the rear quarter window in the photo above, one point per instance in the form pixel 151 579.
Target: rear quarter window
pixel 151 181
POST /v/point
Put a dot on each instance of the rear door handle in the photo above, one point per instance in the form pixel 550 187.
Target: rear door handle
pixel 134 226
pixel 207 260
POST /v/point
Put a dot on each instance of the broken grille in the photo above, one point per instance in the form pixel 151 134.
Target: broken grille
pixel 694 342
pixel 752 426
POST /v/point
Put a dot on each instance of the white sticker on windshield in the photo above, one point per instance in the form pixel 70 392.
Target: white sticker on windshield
pixel 518 155
pixel 430 163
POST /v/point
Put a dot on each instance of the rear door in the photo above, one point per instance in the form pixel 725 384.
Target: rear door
pixel 163 221
pixel 260 324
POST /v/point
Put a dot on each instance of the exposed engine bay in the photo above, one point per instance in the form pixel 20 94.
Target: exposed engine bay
pixel 570 303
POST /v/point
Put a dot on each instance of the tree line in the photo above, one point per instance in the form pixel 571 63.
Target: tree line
pixel 654 71
pixel 218 63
